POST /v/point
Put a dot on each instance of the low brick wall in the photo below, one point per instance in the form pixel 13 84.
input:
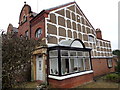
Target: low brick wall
pixel 71 82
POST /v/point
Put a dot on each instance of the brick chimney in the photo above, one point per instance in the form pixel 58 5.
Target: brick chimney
pixel 98 33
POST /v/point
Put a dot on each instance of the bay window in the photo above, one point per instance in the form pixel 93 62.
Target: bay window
pixel 66 61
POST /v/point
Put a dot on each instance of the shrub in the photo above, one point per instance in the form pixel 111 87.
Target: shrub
pixel 16 59
pixel 112 77
pixel 117 68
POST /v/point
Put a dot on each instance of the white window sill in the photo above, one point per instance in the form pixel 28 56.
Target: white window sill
pixel 70 76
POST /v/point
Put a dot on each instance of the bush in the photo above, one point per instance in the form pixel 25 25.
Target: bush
pixel 117 68
pixel 112 77
pixel 16 59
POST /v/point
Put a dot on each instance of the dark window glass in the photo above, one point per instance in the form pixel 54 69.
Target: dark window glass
pixel 26 33
pixel 38 33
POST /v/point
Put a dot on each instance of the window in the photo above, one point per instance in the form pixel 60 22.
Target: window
pixel 38 33
pixel 53 53
pixel 65 66
pixel 64 53
pixel 87 64
pixel 24 18
pixel 54 66
pixel 26 33
pixel 91 38
pixel 39 65
pixel 81 64
pixel 109 63
pixel 68 61
pixel 74 61
pixel 53 62
pixel 98 43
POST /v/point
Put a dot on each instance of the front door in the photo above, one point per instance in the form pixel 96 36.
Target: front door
pixel 39 68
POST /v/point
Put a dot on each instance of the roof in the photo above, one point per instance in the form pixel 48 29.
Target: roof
pixel 60 6
pixel 34 14
pixel 65 42
pixel 77 43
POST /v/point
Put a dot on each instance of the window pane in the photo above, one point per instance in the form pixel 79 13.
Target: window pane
pixel 109 63
pixel 73 65
pixel 86 54
pixel 38 33
pixel 53 53
pixel 64 52
pixel 91 38
pixel 54 66
pixel 80 64
pixel 26 33
pixel 80 53
pixel 39 65
pixel 87 64
pixel 64 66
pixel 72 53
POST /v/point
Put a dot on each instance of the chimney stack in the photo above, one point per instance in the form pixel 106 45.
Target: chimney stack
pixel 98 33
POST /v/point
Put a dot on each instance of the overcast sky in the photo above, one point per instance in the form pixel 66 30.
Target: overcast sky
pixel 102 14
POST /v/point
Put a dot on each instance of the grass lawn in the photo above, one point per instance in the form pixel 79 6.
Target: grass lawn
pixel 100 83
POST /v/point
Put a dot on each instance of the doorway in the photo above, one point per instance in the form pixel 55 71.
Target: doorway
pixel 39 68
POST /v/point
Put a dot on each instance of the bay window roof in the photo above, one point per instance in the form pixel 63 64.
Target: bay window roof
pixel 72 43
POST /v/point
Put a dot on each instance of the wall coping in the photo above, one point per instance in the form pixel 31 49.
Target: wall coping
pixel 70 76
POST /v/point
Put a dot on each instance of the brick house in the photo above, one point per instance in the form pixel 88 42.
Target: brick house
pixel 75 52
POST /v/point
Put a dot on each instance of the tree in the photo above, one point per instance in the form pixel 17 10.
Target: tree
pixel 16 58
pixel 117 52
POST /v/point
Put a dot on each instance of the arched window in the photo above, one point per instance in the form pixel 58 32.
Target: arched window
pixel 91 38
pixel 38 33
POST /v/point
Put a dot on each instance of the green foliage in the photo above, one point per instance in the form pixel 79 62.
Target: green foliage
pixel 16 59
pixel 117 68
pixel 116 52
pixel 112 77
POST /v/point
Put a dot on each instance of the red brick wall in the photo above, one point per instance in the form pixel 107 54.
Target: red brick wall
pixel 100 67
pixel 40 24
pixel 23 27
pixel 71 82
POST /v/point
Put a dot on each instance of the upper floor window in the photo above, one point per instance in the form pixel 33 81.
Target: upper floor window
pixel 26 33
pixel 98 43
pixel 91 38
pixel 38 33
pixel 24 18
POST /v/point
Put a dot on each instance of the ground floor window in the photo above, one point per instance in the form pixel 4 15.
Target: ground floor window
pixel 54 66
pixel 71 65
pixel 68 61
pixel 74 61
pixel 109 61
pixel 53 62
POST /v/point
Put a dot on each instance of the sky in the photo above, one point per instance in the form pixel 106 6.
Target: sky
pixel 102 14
